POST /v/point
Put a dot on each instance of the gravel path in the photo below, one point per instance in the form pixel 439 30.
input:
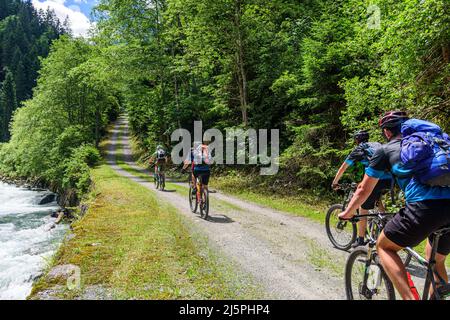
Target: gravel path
pixel 289 256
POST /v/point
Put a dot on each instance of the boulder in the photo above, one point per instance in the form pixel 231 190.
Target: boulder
pixel 61 272
pixel 48 198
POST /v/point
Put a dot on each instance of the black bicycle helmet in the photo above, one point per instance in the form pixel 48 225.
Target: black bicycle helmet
pixel 392 119
pixel 361 136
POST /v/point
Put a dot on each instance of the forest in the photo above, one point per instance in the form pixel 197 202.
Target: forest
pixel 317 70
pixel 25 37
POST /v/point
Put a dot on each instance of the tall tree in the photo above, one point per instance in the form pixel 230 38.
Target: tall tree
pixel 8 102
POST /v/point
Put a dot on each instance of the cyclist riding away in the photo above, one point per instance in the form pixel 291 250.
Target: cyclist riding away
pixel 200 162
pixel 427 202
pixel 362 154
pixel 159 160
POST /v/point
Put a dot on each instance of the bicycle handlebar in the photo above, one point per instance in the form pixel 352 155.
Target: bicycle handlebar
pixel 358 217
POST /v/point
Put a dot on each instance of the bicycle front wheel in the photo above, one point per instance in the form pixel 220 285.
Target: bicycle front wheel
pixel 365 278
pixel 341 233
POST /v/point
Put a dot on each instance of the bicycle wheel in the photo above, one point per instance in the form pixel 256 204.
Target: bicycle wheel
pixel 204 207
pixel 443 293
pixel 376 287
pixel 341 233
pixel 156 180
pixel 192 199
pixel 162 183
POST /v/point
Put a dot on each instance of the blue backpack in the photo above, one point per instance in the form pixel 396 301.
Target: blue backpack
pixel 425 150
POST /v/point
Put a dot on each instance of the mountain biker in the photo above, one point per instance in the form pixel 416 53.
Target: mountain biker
pixel 200 162
pixel 159 160
pixel 362 154
pixel 427 207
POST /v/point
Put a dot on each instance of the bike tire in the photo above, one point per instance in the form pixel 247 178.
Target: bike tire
pixel 333 230
pixel 157 182
pixel 162 182
pixel 360 255
pixel 193 204
pixel 204 208
pixel 444 293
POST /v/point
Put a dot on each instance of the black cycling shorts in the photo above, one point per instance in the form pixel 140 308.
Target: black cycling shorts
pixel 419 220
pixel 381 186
pixel 204 176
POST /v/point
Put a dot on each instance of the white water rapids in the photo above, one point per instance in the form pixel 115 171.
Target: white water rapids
pixel 27 240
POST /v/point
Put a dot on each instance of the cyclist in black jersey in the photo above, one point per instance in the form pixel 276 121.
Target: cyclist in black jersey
pixel 361 154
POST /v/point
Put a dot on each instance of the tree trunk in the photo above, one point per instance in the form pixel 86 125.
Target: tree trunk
pixel 240 63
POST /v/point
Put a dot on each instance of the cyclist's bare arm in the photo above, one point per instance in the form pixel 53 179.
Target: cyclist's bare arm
pixel 363 192
pixel 340 173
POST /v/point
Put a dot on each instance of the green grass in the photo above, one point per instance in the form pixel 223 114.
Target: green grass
pixel 297 205
pixel 141 248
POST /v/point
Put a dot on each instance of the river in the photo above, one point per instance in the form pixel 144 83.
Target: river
pixel 27 240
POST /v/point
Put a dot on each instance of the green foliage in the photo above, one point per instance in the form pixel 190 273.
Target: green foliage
pixel 316 70
pixel 54 134
pixel 25 37
pixel 76 168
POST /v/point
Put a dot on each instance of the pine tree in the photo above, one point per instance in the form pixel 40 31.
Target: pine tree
pixel 8 103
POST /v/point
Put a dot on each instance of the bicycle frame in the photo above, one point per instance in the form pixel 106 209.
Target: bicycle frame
pixel 429 265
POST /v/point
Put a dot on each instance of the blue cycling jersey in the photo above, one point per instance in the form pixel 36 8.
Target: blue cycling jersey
pixel 387 158
pixel 362 154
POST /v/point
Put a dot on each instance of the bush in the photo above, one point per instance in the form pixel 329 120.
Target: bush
pixel 88 154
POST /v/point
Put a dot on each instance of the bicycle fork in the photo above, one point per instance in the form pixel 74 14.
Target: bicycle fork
pixel 369 288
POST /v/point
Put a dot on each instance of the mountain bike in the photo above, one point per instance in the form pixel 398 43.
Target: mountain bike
pixel 160 180
pixel 342 233
pixel 365 277
pixel 192 193
pixel 199 197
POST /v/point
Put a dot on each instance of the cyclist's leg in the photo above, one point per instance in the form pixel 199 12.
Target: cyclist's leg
pixel 380 205
pixel 196 173
pixel 155 173
pixel 205 179
pixel 442 252
pixel 362 224
pixel 393 265
pixel 408 228
pixel 370 204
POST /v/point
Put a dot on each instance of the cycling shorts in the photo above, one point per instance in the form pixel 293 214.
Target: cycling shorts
pixel 376 194
pixel 204 176
pixel 417 221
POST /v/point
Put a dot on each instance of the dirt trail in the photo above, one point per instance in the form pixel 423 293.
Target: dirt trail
pixel 289 256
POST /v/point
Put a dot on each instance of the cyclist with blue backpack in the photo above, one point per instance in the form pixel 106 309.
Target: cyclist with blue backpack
pixel 418 156
pixel 362 154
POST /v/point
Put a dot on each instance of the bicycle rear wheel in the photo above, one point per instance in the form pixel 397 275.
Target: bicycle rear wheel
pixel 376 286
pixel 162 183
pixel 443 293
pixel 156 181
pixel 341 233
pixel 204 207
pixel 192 199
